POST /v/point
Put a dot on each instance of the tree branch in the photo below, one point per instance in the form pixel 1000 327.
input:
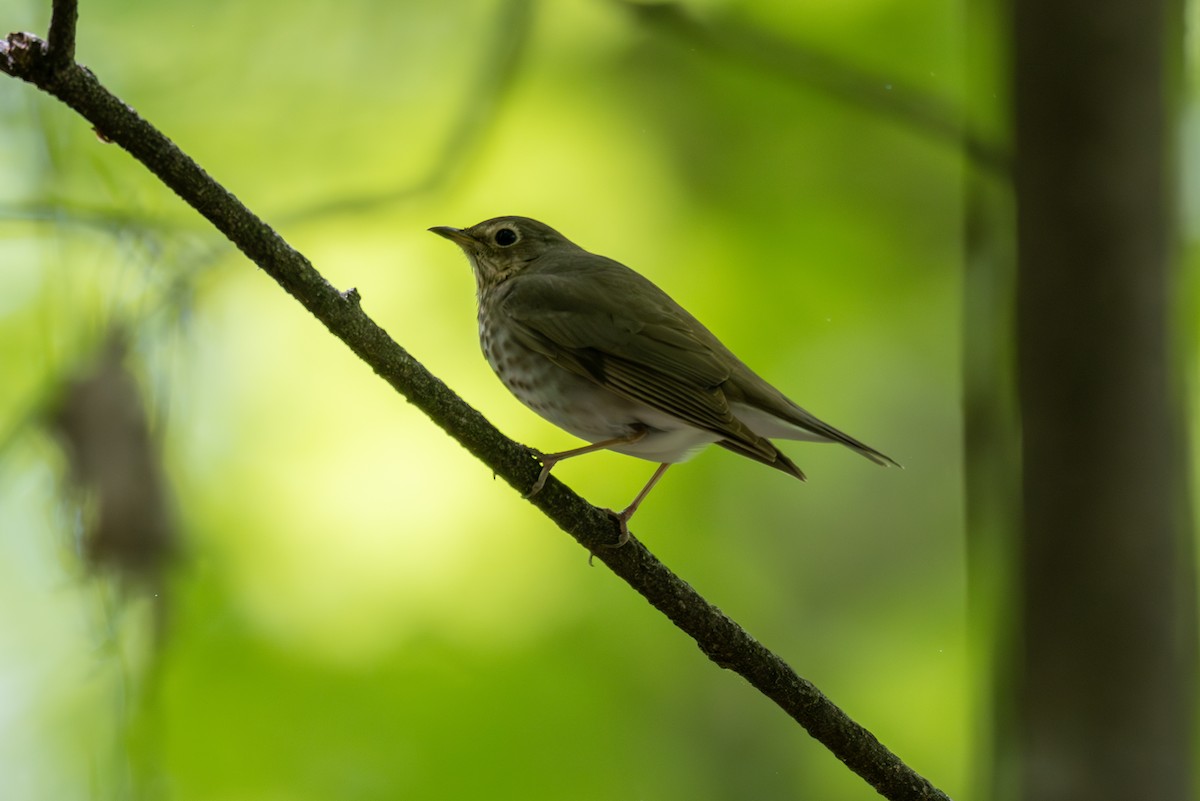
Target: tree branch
pixel 64 15
pixel 27 57
pixel 823 72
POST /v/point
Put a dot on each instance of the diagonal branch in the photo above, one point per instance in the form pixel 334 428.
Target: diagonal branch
pixel 27 57
pixel 729 39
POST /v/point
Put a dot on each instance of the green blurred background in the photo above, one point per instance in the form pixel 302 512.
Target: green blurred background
pixel 359 610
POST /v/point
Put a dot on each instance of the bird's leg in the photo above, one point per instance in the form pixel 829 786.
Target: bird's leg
pixel 623 517
pixel 548 460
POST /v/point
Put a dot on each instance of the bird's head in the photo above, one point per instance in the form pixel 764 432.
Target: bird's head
pixel 503 246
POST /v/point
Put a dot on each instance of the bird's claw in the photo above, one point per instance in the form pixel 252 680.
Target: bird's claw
pixel 622 526
pixel 542 476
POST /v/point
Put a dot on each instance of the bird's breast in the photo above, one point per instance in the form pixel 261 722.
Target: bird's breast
pixel 582 407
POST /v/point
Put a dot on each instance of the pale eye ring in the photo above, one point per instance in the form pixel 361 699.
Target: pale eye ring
pixel 505 237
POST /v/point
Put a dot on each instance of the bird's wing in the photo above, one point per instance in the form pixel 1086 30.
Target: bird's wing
pixel 611 325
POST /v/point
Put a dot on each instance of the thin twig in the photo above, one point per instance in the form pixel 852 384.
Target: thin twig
pixel 64 15
pixel 721 639
pixel 922 112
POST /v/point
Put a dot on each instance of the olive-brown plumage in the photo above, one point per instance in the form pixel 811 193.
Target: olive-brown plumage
pixel 600 351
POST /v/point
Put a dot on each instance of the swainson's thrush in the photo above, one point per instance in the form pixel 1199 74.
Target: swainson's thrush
pixel 603 353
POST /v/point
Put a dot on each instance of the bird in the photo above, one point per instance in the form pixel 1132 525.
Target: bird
pixel 600 351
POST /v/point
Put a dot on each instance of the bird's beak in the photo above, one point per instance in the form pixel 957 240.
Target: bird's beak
pixel 455 235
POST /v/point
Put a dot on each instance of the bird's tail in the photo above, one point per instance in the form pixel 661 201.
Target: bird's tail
pixel 783 419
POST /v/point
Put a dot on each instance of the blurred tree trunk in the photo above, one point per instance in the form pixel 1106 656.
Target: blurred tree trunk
pixel 991 431
pixel 1105 670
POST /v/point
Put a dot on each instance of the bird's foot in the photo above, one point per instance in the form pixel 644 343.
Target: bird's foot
pixel 622 519
pixel 547 463
pixel 623 523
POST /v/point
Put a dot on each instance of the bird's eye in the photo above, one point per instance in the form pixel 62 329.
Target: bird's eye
pixel 505 237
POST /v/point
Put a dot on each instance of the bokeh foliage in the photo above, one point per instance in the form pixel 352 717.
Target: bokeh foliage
pixel 360 610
